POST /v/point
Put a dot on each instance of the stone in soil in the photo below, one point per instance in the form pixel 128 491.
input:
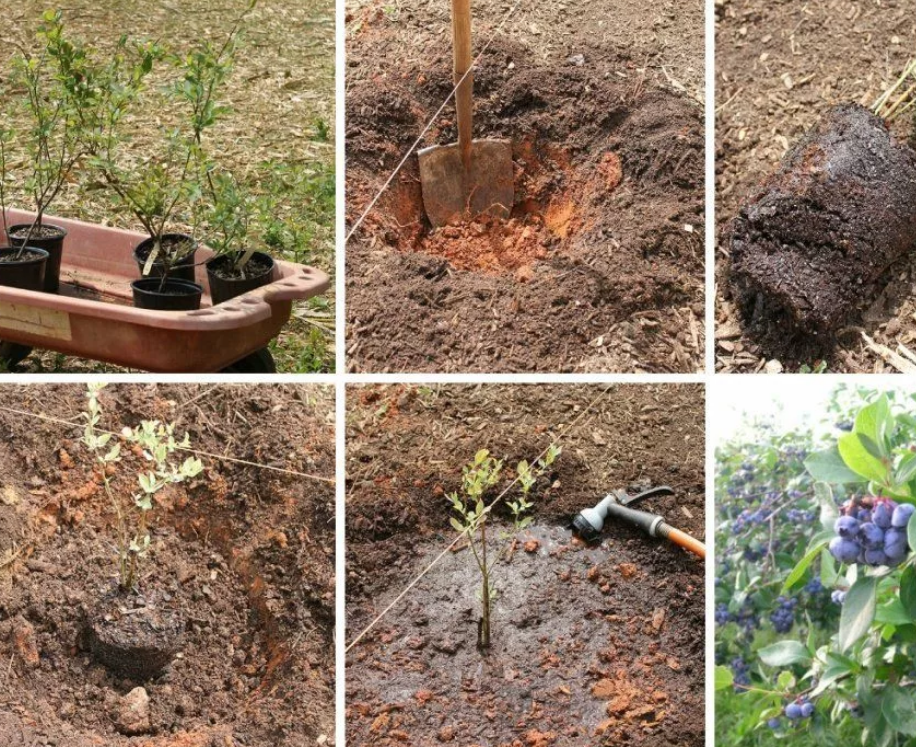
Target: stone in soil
pixel 131 713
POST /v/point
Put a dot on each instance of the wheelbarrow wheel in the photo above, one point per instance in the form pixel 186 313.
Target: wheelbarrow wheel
pixel 260 361
pixel 12 353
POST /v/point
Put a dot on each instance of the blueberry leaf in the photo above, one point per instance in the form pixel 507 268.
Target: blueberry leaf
pixel 784 653
pixel 858 611
pixel 908 591
pixel 724 678
pixel 798 572
pixel 899 710
pixel 828 466
pixel 857 452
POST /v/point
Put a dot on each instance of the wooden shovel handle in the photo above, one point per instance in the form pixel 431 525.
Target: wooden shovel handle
pixel 461 39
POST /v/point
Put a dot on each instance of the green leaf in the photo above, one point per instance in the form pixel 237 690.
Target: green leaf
pixel 908 590
pixel 876 423
pixel 892 613
pixel 724 678
pixel 899 710
pixel 802 566
pixel 456 525
pixel 828 466
pixel 858 611
pixel 785 681
pixel 784 653
pixel 906 470
pixel 857 453
pixel 829 512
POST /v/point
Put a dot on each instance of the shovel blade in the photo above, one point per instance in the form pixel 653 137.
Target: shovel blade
pixel 450 195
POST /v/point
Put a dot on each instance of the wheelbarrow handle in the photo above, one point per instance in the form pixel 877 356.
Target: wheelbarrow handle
pixel 461 40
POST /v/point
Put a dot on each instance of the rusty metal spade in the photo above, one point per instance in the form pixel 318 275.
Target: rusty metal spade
pixel 471 177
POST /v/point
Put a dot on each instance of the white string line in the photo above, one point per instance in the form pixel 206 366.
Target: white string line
pixel 198 452
pixel 457 539
pixel 431 122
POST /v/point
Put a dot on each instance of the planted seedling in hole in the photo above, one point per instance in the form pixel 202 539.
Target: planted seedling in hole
pixel 158 445
pixel 477 478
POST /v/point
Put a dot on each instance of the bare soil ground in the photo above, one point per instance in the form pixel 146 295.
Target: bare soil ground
pixel 780 66
pixel 591 645
pixel 600 266
pixel 281 92
pixel 246 555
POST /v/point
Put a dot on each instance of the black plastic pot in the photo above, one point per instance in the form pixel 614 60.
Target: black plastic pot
pixel 183 269
pixel 53 245
pixel 28 272
pixel 222 289
pixel 173 294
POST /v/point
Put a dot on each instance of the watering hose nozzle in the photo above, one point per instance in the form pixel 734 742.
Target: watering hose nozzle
pixel 589 523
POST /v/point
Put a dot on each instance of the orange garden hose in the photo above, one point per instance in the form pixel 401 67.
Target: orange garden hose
pixel 692 544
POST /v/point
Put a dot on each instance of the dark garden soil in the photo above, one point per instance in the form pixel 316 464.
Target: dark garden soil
pixel 258 265
pixel 24 256
pixel 246 556
pixel 600 265
pixel 781 67
pixel 38 232
pixel 591 645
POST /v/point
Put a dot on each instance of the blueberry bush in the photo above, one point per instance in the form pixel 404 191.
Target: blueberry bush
pixel 815 590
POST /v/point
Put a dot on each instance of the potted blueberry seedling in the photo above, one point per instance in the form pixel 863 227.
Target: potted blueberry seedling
pixel 477 479
pixel 20 266
pixel 134 632
pixel 167 183
pixel 237 267
pixel 57 109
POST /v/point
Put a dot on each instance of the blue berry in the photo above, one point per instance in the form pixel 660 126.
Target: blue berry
pixel 723 616
pixel 846 551
pixel 875 557
pixel 807 709
pixel 793 711
pixel 814 586
pixel 838 596
pixel 847 527
pixel 902 514
pixel 872 536
pixel 774 723
pixel 882 513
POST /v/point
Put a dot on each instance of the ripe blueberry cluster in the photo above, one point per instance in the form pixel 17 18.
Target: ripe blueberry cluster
pixel 741 672
pixel 723 616
pixel 799 709
pixel 872 532
pixel 783 617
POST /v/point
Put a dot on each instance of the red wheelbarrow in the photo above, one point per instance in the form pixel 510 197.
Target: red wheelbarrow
pixel 92 316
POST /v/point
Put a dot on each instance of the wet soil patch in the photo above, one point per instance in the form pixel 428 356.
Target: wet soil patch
pixel 592 645
pixel 245 555
pixel 574 656
pixel 599 266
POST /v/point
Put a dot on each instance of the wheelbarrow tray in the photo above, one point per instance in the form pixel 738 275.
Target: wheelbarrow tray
pixel 93 316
